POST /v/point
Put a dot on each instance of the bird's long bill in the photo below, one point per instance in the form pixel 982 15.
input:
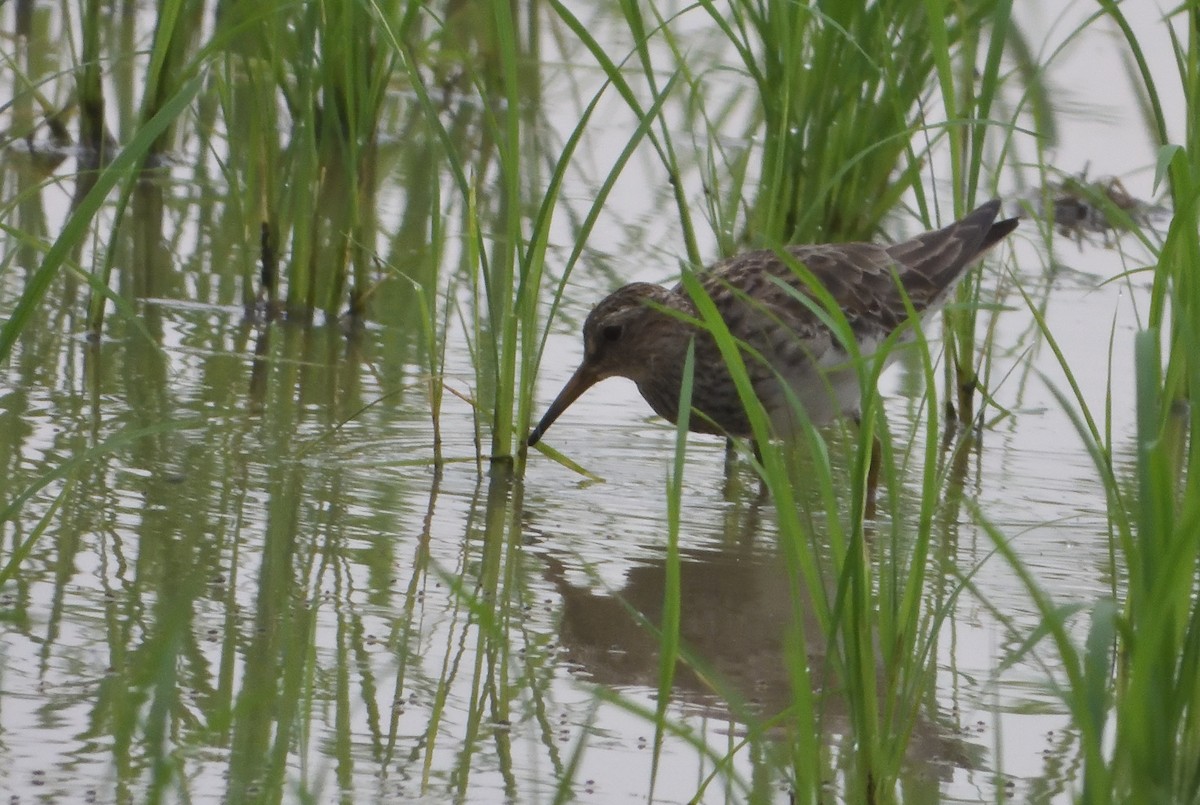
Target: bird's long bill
pixel 583 379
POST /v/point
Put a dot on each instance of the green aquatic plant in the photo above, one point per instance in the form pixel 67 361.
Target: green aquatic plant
pixel 1131 684
pixel 842 92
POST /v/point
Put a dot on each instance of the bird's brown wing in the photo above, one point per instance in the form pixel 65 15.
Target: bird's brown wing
pixel 771 306
pixel 872 285
pixel 931 263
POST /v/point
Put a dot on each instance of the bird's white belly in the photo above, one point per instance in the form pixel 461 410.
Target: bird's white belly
pixel 824 391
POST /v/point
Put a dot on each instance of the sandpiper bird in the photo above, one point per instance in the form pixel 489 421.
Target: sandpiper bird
pixel 642 331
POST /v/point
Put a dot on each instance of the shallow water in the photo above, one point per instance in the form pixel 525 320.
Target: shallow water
pixel 247 580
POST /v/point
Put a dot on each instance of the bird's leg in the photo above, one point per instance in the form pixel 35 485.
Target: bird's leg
pixel 968 383
pixel 731 455
pixel 730 487
pixel 873 477
pixel 874 464
pixel 762 477
pixel 764 489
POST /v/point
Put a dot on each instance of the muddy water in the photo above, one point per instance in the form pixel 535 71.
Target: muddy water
pixel 247 580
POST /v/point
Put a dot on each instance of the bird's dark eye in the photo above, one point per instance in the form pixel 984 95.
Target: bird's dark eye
pixel 611 332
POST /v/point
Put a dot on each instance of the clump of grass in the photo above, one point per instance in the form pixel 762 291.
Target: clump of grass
pixel 122 170
pixel 309 177
pixel 1131 687
pixel 498 264
pixel 508 207
pixel 842 89
pixel 1174 279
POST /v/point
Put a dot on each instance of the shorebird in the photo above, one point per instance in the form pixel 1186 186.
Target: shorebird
pixel 642 331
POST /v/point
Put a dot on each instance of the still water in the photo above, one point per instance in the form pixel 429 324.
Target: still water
pixel 248 580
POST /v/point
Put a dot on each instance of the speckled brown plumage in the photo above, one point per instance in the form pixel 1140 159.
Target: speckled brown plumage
pixel 633 334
